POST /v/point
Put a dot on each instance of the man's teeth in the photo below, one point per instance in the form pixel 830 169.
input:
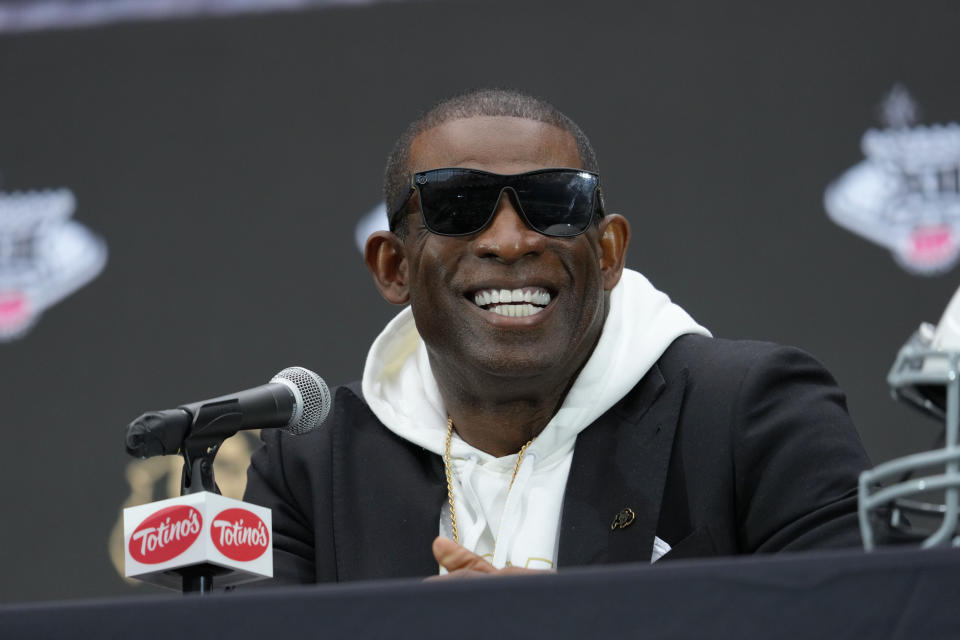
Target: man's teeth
pixel 515 310
pixel 516 303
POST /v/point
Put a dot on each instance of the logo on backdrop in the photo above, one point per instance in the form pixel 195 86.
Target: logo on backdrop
pixel 373 220
pixel 44 256
pixel 905 195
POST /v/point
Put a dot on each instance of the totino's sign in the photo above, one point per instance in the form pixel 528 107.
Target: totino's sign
pixel 240 535
pixel 163 537
pixel 165 534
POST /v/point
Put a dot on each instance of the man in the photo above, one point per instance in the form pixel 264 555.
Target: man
pixel 537 405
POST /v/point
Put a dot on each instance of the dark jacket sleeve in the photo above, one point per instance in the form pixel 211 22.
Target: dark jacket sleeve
pixel 765 458
pixel 797 456
pixel 268 486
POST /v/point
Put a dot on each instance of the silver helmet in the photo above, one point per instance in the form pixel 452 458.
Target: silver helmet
pixel 919 494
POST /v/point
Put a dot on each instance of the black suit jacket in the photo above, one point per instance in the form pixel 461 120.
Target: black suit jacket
pixel 724 447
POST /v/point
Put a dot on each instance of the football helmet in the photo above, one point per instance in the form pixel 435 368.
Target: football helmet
pixel 921 508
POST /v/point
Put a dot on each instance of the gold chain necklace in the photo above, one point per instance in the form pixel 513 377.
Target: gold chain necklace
pixel 448 468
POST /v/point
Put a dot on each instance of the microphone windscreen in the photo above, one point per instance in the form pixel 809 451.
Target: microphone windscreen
pixel 312 396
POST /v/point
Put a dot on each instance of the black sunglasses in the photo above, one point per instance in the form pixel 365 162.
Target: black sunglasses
pixel 460 202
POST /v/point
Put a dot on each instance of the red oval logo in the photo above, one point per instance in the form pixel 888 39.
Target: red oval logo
pixel 165 534
pixel 240 534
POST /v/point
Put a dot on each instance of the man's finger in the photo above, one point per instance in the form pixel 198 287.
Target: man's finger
pixel 452 557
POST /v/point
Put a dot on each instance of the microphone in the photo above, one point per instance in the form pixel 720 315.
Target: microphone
pixel 296 399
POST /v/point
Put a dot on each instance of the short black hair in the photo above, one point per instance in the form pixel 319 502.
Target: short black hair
pixel 480 102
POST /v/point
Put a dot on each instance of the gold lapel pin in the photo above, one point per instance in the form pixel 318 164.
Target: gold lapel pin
pixel 623 519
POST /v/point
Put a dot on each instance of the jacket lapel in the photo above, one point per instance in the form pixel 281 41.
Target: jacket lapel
pixel 618 474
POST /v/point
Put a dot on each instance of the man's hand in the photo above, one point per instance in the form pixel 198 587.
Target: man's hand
pixel 461 563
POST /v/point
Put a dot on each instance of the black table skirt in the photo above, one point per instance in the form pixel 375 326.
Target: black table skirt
pixel 892 594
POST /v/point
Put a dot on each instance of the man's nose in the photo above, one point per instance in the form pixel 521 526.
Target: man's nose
pixel 508 237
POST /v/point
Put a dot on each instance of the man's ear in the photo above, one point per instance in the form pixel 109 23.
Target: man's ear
pixel 387 261
pixel 614 238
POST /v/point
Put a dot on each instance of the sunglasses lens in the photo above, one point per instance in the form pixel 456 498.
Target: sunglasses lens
pixel 558 203
pixel 462 201
pixel 457 203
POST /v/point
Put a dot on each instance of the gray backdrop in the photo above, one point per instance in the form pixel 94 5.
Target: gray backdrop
pixel 226 162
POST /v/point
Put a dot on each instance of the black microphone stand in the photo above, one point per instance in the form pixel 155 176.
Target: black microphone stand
pixel 198 450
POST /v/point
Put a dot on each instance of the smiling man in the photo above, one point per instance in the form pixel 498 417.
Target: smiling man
pixel 537 405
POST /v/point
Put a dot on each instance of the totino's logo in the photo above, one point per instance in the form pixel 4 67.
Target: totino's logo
pixel 44 256
pixel 165 534
pixel 240 535
pixel 906 194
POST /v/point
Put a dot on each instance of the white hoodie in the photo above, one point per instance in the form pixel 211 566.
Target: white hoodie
pixel 519 526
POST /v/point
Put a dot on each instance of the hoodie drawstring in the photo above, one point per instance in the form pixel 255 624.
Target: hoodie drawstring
pixel 512 510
